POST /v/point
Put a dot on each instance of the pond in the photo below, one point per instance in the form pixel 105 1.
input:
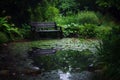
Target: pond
pixel 64 65
pixel 70 62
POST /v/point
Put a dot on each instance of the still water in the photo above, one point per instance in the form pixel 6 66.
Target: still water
pixel 69 62
pixel 63 65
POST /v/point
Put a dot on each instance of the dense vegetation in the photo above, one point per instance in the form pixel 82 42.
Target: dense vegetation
pixel 109 54
pixel 78 18
pixel 85 19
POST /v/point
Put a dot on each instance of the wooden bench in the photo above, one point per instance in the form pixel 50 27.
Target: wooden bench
pixel 39 29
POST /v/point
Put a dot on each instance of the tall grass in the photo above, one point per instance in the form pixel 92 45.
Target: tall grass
pixel 109 53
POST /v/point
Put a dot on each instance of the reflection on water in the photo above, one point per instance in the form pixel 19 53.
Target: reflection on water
pixel 64 76
pixel 69 63
pixel 60 75
pixel 64 65
pixel 67 60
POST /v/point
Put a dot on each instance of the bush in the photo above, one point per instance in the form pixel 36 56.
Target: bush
pixel 101 31
pixel 37 14
pixel 51 13
pixel 9 29
pixel 3 38
pixel 71 30
pixel 25 31
pixel 88 31
pixel 88 17
pixel 84 31
pixel 83 17
pixel 85 24
pixel 109 53
pixel 65 20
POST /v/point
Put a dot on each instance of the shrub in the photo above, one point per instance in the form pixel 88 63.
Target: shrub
pixel 87 30
pixel 83 17
pixel 84 31
pixel 65 20
pixel 37 14
pixel 3 38
pixel 88 17
pixel 25 31
pixel 71 30
pixel 83 24
pixel 9 29
pixel 101 31
pixel 51 13
pixel 109 53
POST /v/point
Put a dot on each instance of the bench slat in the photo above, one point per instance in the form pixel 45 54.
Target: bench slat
pixel 44 27
pixel 43 24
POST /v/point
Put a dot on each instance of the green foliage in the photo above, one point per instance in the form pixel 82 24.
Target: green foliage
pixel 3 38
pixel 9 29
pixel 81 25
pixel 85 24
pixel 25 31
pixel 109 53
pixel 71 30
pixel 67 5
pixel 4 25
pixel 88 17
pixel 84 31
pixel 14 33
pixel 65 20
pixel 82 17
pixel 102 31
pixel 111 7
pixel 110 3
pixel 106 20
pixel 88 31
pixel 51 13
pixel 37 13
pixel 47 13
pixel 87 4
pixel 65 59
pixel 38 8
pixel 103 3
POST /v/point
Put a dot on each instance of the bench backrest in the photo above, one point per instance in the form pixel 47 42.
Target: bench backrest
pixel 43 25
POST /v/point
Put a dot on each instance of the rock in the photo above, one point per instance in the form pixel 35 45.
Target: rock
pixel 91 68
